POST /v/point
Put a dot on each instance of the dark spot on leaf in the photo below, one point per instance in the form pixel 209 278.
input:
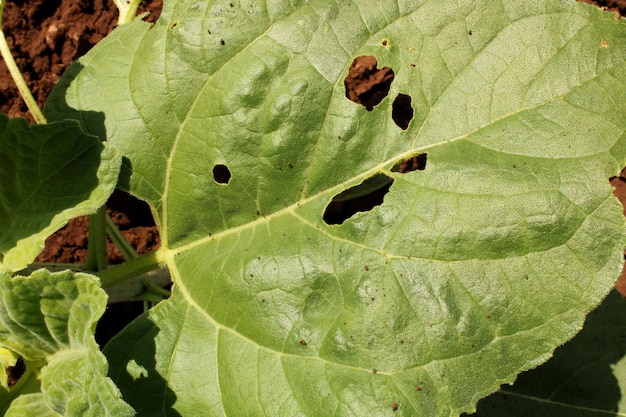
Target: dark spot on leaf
pixel 302 342
pixel 367 268
pixel 412 164
pixel 173 25
pixel 366 84
pixel 221 174
pixel 385 42
pixel 374 370
pixel 394 406
pixel 222 42
pixel 363 197
pixel 402 112
pixel 469 33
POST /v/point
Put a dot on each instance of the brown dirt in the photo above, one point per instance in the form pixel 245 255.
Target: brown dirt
pixel 133 219
pixel 46 36
pixel 617 6
pixel 366 84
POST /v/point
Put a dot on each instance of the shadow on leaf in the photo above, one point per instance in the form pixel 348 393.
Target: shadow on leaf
pixel 584 378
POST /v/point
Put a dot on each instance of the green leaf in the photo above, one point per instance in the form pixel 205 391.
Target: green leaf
pixel 49 319
pixel 48 175
pixel 585 378
pixel 235 125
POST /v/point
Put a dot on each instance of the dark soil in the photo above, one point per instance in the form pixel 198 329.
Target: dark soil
pixel 366 84
pixel 617 6
pixel 132 217
pixel 48 35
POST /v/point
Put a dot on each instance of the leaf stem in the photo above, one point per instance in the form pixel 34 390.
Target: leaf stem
pixel 119 240
pixel 127 10
pixel 22 87
pixel 132 268
pixel 96 248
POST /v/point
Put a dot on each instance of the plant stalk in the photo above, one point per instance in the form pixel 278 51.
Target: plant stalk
pixel 132 268
pixel 127 10
pixel 96 249
pixel 119 240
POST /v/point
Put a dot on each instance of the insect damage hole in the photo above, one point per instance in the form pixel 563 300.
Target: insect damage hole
pixel 365 83
pixel 416 163
pixel 402 111
pixel 363 197
pixel 221 174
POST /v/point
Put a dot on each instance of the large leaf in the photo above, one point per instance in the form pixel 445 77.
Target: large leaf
pixel 235 125
pixel 48 175
pixel 49 320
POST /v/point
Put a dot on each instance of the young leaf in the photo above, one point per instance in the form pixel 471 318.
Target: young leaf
pixel 49 319
pixel 48 174
pixel 238 128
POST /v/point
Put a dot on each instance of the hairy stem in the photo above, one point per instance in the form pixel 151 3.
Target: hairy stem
pixel 119 240
pixel 127 9
pixel 96 249
pixel 132 268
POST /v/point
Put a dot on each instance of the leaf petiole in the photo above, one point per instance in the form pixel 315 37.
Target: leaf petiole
pixel 119 240
pixel 127 9
pixel 96 249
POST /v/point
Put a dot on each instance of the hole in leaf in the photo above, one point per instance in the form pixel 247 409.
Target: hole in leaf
pixel 363 197
pixel 401 111
pixel 14 373
pixel 417 163
pixel 365 83
pixel 221 174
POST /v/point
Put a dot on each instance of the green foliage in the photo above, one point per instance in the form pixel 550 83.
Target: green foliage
pixel 48 319
pixel 48 175
pixel 471 270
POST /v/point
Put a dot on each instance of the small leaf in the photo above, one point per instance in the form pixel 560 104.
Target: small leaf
pixel 49 319
pixel 48 175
